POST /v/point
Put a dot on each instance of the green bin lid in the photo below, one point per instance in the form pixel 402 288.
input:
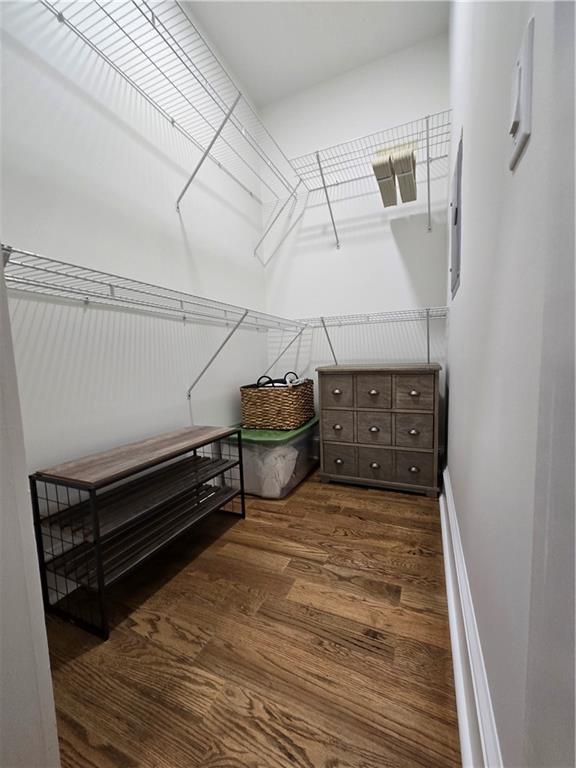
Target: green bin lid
pixel 276 436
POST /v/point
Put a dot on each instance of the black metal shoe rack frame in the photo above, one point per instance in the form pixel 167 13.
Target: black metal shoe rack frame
pixel 89 536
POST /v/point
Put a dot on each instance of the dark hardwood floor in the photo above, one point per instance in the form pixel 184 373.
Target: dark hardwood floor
pixel 313 633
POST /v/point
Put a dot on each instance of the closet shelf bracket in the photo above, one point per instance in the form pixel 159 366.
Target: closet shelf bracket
pixel 215 355
pixel 428 173
pixel 207 150
pixel 275 219
pixel 329 340
pixel 286 348
pixel 328 199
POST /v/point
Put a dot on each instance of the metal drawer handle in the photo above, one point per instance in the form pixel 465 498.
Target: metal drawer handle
pixel 338 461
pixel 374 429
pixel 414 393
pixel 413 432
pixel 373 392
pixel 337 427
pixel 414 470
pixel 336 391
pixel 374 465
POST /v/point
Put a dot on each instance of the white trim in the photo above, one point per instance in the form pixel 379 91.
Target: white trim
pixel 479 741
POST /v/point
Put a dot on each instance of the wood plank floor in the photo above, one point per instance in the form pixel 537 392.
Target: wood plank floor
pixel 313 633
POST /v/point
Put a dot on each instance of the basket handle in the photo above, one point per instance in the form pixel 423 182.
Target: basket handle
pixel 264 383
pixel 290 373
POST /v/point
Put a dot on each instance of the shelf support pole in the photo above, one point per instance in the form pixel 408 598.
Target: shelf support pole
pixel 286 234
pixel 329 340
pixel 286 348
pixel 215 355
pixel 327 199
pixel 207 150
pixel 428 170
pixel 275 219
pixel 428 335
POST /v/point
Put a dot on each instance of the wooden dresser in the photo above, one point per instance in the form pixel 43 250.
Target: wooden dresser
pixel 379 425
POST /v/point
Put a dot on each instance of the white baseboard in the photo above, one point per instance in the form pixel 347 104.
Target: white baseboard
pixel 478 734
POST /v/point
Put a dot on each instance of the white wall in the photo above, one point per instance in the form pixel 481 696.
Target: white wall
pixel 388 260
pixel 27 718
pixel 90 175
pixel 511 372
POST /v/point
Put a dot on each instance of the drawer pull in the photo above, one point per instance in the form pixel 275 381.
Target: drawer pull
pixel 337 427
pixel 414 393
pixel 336 391
pixel 374 465
pixel 413 432
pixel 374 429
pixel 414 470
pixel 338 461
pixel 373 392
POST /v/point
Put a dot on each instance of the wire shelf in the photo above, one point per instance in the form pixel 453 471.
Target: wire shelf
pixel 352 160
pixel 156 48
pixel 30 273
pixel 395 316
pixel 344 171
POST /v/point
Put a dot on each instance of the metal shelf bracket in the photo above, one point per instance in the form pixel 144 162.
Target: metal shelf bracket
pixel 207 150
pixel 428 172
pixel 215 355
pixel 329 340
pixel 275 219
pixel 286 348
pixel 328 199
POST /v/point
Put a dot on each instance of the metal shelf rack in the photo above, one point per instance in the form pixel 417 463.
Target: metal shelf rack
pixel 29 273
pixel 156 48
pixel 342 164
pixel 424 315
pixel 99 518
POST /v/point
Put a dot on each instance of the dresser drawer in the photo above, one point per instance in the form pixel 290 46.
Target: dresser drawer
pixel 337 390
pixel 376 464
pixel 415 468
pixel 373 390
pixel 339 460
pixel 374 427
pixel 414 430
pixel 415 392
pixel 338 426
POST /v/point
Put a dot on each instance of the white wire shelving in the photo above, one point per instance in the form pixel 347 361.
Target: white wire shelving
pixel 426 314
pixel 332 170
pixel 352 160
pixel 156 48
pixel 394 316
pixel 30 273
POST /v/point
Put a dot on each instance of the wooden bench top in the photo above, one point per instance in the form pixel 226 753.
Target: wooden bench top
pixel 107 467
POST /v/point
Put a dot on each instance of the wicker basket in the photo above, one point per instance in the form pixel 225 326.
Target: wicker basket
pixel 277 407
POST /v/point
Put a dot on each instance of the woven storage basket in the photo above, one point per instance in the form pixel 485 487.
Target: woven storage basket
pixel 277 407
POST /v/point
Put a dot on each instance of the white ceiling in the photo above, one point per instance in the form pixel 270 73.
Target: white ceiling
pixel 277 48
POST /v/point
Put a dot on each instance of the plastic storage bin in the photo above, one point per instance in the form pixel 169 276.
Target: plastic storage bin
pixel 276 461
